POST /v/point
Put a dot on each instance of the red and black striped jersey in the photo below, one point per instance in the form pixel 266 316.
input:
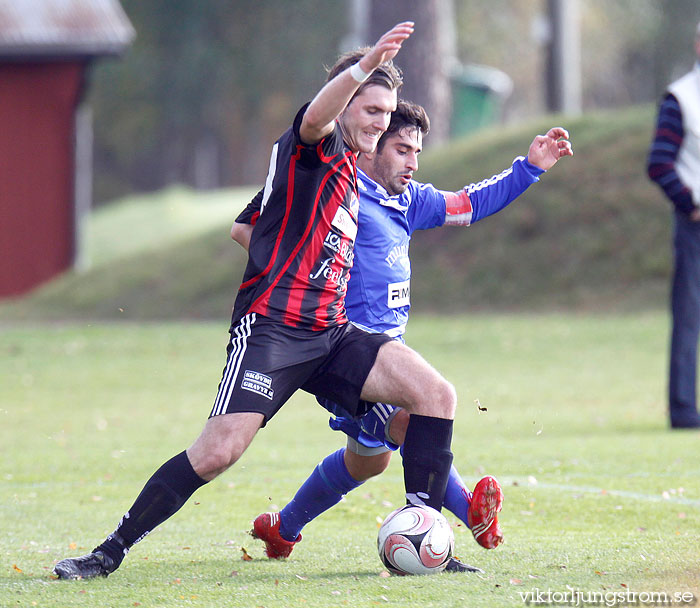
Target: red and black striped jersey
pixel 301 248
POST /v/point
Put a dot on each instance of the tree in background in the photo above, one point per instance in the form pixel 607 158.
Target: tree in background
pixel 427 56
pixel 205 90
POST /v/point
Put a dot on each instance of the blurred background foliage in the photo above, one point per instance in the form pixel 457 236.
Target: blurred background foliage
pixel 208 85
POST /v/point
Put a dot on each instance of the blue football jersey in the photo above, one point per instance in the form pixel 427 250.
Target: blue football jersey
pixel 378 296
pixel 379 291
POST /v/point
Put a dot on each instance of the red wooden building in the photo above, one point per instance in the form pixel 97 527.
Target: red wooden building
pixel 46 48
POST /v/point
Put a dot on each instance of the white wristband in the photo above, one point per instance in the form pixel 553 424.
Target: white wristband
pixel 358 73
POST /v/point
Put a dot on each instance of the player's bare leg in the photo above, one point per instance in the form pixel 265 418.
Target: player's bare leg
pixel 221 443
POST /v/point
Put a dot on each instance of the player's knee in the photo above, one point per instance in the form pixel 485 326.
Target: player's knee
pixel 445 396
pixel 362 468
pixel 210 459
pixel 212 463
pixel 398 426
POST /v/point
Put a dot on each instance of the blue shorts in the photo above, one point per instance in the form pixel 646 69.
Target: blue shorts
pixel 370 431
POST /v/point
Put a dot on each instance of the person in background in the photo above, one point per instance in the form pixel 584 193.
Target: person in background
pixel 674 164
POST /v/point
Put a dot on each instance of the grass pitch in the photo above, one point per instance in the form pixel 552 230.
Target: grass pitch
pixel 599 496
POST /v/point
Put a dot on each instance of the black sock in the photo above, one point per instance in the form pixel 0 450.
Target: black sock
pixel 162 496
pixel 427 459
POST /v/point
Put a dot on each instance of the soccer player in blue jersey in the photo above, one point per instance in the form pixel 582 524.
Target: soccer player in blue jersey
pixel 289 329
pixel 392 206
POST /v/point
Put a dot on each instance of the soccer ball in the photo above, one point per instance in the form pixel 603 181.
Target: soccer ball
pixel 415 540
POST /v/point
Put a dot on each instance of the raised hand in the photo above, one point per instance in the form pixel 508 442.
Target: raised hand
pixel 387 46
pixel 546 150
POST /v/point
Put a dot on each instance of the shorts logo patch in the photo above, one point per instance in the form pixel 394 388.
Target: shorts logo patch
pixel 257 383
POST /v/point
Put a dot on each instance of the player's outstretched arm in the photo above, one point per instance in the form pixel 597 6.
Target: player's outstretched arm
pixel 332 99
pixel 546 150
pixel 477 201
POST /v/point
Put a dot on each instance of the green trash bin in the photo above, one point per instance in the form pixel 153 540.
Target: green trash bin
pixel 478 94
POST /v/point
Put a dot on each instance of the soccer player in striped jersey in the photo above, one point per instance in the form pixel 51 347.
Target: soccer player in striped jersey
pixel 392 206
pixel 289 329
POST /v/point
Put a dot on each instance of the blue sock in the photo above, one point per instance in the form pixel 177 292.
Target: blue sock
pixel 457 497
pixel 328 483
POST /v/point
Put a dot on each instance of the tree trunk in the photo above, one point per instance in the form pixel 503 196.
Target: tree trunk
pixel 425 57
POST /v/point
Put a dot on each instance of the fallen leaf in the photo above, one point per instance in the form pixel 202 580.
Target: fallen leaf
pixel 82 592
pixel 234 573
pixel 516 581
pixel 16 568
pixel 72 546
pixel 384 574
pixel 136 604
pixel 623 585
pixel 177 581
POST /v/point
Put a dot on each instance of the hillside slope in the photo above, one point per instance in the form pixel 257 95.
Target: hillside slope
pixel 593 234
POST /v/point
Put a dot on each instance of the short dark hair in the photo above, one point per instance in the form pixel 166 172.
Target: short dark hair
pixel 387 74
pixel 407 114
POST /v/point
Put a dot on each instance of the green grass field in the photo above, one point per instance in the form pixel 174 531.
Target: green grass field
pixel 599 495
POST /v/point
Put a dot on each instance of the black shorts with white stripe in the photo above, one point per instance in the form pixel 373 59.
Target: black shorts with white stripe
pixel 268 362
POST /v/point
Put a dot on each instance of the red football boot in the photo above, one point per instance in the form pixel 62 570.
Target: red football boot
pixel 266 527
pixel 487 500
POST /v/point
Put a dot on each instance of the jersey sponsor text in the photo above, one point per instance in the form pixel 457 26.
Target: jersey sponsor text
pixel 399 294
pixel 343 221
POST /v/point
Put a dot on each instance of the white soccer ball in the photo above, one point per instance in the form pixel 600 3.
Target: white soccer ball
pixel 415 540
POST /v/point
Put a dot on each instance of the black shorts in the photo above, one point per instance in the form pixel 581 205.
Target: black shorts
pixel 268 361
